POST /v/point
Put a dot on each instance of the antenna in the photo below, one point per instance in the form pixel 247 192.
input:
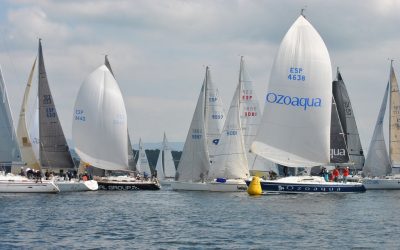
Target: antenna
pixel 302 11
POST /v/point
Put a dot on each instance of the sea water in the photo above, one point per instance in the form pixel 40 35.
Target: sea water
pixel 200 220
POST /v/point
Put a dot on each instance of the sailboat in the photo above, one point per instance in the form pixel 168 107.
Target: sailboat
pixel 381 168
pixel 165 164
pixel 230 167
pixel 250 117
pixel 51 145
pixel 296 122
pixel 348 122
pixel 142 165
pixel 99 130
pixel 10 153
pixel 195 162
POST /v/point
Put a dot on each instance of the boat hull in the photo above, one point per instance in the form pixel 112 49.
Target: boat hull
pixel 189 186
pixel 27 186
pixel 227 186
pixel 382 183
pixel 77 186
pixel 128 186
pixel 302 185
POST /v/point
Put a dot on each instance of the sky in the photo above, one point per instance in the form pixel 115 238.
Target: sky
pixel 159 49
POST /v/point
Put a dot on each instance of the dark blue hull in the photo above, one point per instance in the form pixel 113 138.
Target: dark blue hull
pixel 280 187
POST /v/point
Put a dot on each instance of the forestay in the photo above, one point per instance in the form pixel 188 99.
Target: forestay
pixel 295 128
pixel 195 163
pixel 99 127
pixel 377 162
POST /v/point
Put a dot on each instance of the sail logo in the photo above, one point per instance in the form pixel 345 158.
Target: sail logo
pixel 217 116
pixel 215 141
pixel 119 119
pixel 294 101
pixel 231 132
pixel 337 152
pixel 80 115
pixel 197 134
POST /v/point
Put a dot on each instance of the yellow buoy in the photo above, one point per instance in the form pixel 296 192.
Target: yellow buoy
pixel 255 186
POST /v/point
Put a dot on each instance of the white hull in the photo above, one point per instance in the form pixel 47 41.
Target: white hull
pixel 77 186
pixel 309 184
pixel 16 184
pixel 388 183
pixel 189 186
pixel 166 182
pixel 228 186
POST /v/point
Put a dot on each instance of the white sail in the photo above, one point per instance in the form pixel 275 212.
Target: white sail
pixel 34 129
pixel 215 115
pixel 394 129
pixel 295 127
pixel 250 117
pixel 195 163
pixel 100 122
pixel 165 163
pixel 24 139
pixel 9 150
pixel 230 158
pixel 142 165
pixel 377 162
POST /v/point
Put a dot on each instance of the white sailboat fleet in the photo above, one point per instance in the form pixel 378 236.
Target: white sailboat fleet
pixel 165 164
pixel 381 169
pixel 295 128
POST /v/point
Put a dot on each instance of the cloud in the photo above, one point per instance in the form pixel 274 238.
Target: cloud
pixel 158 50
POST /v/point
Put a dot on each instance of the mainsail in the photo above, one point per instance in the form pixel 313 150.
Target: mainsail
pixel 131 158
pixel 250 117
pixel 99 123
pixel 377 162
pixel 165 163
pixel 295 127
pixel 339 152
pixel 25 144
pixel 214 113
pixel 9 150
pixel 195 163
pixel 230 158
pixel 348 121
pixel 54 151
pixel 142 165
pixel 394 121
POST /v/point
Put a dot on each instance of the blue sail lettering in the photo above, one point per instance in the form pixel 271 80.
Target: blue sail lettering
pixel 294 101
